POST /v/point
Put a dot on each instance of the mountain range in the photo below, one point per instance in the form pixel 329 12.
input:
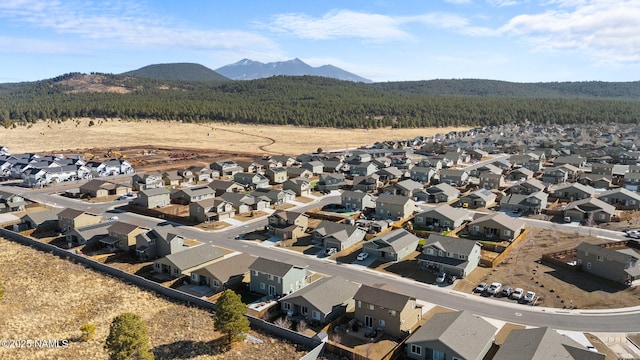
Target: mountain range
pixel 247 69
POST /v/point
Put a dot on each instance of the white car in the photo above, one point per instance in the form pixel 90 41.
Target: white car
pixel 529 296
pixel 635 234
pixel 363 256
pixel 517 294
pixel 494 288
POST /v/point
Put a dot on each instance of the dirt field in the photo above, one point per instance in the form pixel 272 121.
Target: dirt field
pixel 39 305
pixel 260 139
pixel 556 287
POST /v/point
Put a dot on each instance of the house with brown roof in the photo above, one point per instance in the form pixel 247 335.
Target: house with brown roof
pixel 188 260
pixel 394 313
pixel 288 224
pixel 122 235
pixel 213 209
pixel 153 198
pixel 224 274
pixel 100 188
pixel 496 226
pixel 590 208
pixel 301 186
pixel 71 218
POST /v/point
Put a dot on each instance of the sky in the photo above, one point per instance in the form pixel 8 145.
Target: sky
pixel 382 40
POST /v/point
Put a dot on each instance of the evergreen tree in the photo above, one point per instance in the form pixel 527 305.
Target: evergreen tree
pixel 229 316
pixel 128 338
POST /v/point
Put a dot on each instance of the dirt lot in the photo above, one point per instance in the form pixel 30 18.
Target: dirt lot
pixel 228 138
pixel 556 287
pixel 39 305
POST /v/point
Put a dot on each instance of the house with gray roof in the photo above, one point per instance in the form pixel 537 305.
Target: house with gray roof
pixel 491 181
pixel 396 314
pixel 276 196
pixel 542 344
pixel 631 181
pixel 143 181
pixel 315 166
pixel 368 183
pixel 288 224
pixel 243 203
pixel 161 241
pixel 422 174
pixel 335 235
pixel 224 274
pixel 122 235
pixel 392 246
pixel 357 200
pixel 405 188
pixel 441 218
pixel 301 186
pixel 276 278
pixel 596 181
pixel 185 261
pixel 87 234
pixel 276 175
pixel 451 335
pixel 153 198
pixel 362 169
pixel 296 172
pixel 454 177
pixel 394 207
pixel 619 264
pixel 226 167
pixel 251 180
pixel 481 198
pixel 321 301
pixel 520 174
pixel 498 226
pixel 527 187
pixel 455 256
pixel 573 191
pixel 71 218
pixel 42 220
pixel 439 193
pixel 223 186
pixel 328 182
pixel 590 208
pixel 187 195
pixel 390 173
pixel 553 175
pixel 527 203
pixel 212 209
pixel 621 198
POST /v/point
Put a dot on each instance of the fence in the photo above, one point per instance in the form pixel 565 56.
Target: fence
pixel 498 259
pixel 288 334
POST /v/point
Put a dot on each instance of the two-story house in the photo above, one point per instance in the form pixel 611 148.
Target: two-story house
pixel 590 209
pixel 394 313
pixel 496 226
pixel 481 198
pixel 391 246
pixel 288 224
pixel 456 177
pixel 441 218
pixel 212 209
pixel 339 236
pixel 527 203
pixel 122 235
pixel 616 264
pixel 71 218
pixel 357 200
pixel 455 256
pixel 277 175
pixel 301 186
pixel 331 181
pixel 276 278
pixel 394 207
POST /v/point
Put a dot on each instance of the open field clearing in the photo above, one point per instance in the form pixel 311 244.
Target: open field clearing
pixel 48 298
pixel 289 140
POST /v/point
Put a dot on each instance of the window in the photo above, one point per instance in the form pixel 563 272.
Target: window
pixel 415 349
pixel 461 257
pixel 279 279
pixel 254 272
pixel 429 251
pixel 449 254
pixel 392 312
pixel 270 277
pixel 506 232
pixel 599 258
pixel 419 220
pixel 370 306
pixel 286 306
pixel 601 216
pixel 315 315
pixel 359 304
pixel 589 265
pixel 476 228
pixel 262 286
pixel 438 355
pixel 216 283
pixel 304 310
pixel 381 323
pixel 194 277
pixel 157 265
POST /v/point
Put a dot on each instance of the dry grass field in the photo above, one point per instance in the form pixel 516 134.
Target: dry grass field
pixel 113 133
pixel 49 298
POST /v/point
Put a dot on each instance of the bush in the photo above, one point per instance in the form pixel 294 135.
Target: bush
pixel 88 330
pixel 2 291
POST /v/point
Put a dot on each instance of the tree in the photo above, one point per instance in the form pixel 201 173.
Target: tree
pixel 229 316
pixel 128 338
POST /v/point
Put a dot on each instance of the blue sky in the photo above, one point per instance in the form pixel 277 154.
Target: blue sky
pixel 513 40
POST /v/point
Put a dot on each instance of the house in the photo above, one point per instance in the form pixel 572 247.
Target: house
pixel 631 181
pixel 99 188
pixel 362 169
pixel 454 177
pixel 301 186
pixel 496 226
pixel 212 209
pixel 295 172
pixel 243 203
pixel 146 181
pixel 394 207
pixel 555 176
pixel 391 246
pixel 491 181
pixel 202 173
pixel 451 335
pixel 185 261
pixel 188 195
pixel 590 209
pixel 542 343
pixel 276 278
pixel 602 169
pixel 71 218
pixel 482 198
pixel 619 265
pixel 41 220
pixel 172 178
pixel 332 166
pixel 404 188
pixel 485 169
pixel 367 183
pixel 223 186
pixel 573 191
pixel 621 198
pixel 122 235
pixel 596 181
pixel 390 173
pixel 153 198
pixel 321 301
pixel 161 241
pixel 527 187
pixel 572 172
pixel 315 166
pixel 440 193
pixel 441 218
pixel 422 174
pixel 335 235
pixel 520 174
pixel 396 314
pixel 224 274
pixel 275 196
pixel 87 234
pixel 328 182
pixel 277 175
pixel 357 200
pixel 10 202
pixel 226 167
pixel 455 256
pixel 527 203
pixel 251 180
pixel 630 158
pixel 573 160
pixel 288 224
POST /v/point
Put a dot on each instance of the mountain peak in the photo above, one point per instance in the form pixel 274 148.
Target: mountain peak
pixel 246 69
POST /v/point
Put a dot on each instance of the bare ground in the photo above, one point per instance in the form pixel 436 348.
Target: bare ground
pixel 50 298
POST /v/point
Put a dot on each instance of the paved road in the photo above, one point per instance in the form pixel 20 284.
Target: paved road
pixel 615 320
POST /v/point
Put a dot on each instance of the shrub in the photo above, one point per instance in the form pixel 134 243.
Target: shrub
pixel 88 330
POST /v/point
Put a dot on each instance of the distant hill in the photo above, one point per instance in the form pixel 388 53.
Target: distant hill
pixel 246 69
pixel 178 72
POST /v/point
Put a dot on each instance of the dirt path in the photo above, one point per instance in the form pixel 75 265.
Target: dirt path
pixel 261 147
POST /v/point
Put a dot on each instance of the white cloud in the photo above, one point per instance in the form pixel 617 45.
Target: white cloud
pixel 605 30
pixel 502 3
pixel 124 23
pixel 367 26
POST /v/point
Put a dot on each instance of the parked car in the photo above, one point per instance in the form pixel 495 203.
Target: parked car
pixel 441 277
pixel 495 288
pixel 452 279
pixel 517 294
pixel 634 234
pixel 567 219
pixel 482 287
pixel 507 291
pixel 330 251
pixel 529 296
pixel 363 256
